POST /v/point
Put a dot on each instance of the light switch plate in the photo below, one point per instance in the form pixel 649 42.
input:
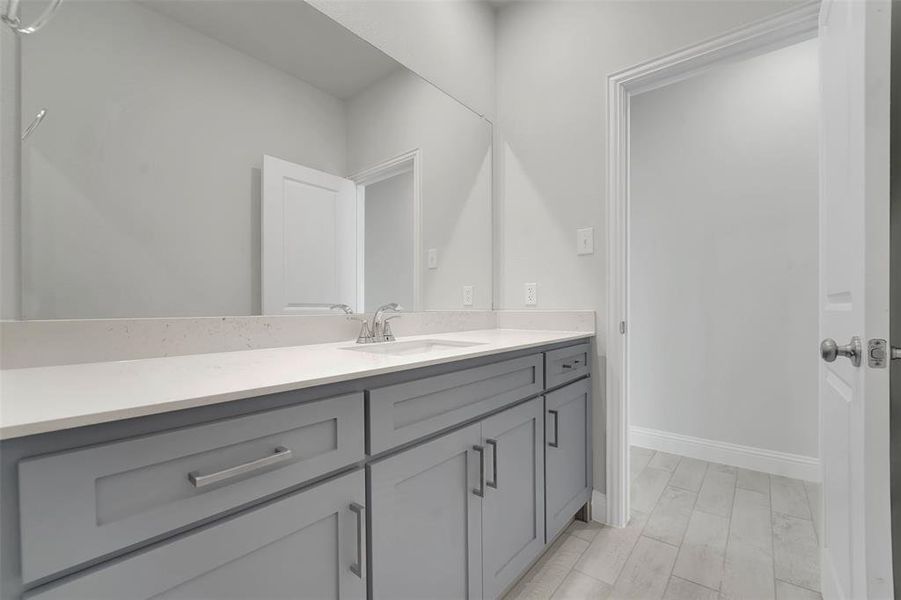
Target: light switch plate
pixel 467 295
pixel 432 258
pixel 531 294
pixel 585 240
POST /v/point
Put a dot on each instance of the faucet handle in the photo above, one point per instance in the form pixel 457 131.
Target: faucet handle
pixel 387 334
pixel 343 307
pixel 365 336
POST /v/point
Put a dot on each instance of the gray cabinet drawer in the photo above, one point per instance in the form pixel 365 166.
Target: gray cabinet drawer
pixel 81 504
pixel 408 411
pixel 301 546
pixel 567 364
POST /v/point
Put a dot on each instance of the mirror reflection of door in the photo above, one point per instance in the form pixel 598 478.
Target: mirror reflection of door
pixel 309 239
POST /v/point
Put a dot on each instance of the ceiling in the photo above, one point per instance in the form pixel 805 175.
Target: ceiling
pixel 291 36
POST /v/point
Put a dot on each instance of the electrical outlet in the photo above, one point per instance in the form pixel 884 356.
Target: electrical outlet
pixel 433 258
pixel 531 294
pixel 467 295
pixel 585 240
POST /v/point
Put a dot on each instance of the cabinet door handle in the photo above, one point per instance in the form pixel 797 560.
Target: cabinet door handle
pixel 493 482
pixel 357 568
pixel 480 491
pixel 281 454
pixel 571 365
pixel 555 443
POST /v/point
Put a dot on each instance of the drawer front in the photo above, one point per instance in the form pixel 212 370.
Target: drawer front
pixel 304 545
pixel 567 364
pixel 81 504
pixel 402 413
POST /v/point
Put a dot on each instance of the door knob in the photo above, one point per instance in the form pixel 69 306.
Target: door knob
pixel 829 350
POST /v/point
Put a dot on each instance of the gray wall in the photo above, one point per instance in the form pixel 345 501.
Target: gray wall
pixel 142 184
pixel 10 263
pixel 550 147
pixel 724 244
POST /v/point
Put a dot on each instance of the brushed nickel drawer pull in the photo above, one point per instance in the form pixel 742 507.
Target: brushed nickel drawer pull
pixel 281 454
pixel 493 444
pixel 480 491
pixel 357 567
pixel 556 442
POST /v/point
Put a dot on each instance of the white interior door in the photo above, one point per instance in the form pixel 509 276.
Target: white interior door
pixel 309 239
pixel 854 296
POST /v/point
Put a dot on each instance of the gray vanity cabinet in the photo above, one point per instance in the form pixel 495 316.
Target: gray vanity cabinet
pixel 426 520
pixel 305 545
pixel 513 506
pixel 567 453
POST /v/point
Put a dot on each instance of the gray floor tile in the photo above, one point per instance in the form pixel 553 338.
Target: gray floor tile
pixel 578 586
pixel 647 487
pixel 610 550
pixel 713 532
pixel 717 491
pixel 751 521
pixel 583 530
pixel 796 554
pixel 703 550
pixel 754 480
pixel 680 589
pixel 689 474
pixel 787 591
pixel 647 572
pixel 747 573
pixel 638 460
pixel 815 502
pixel 665 460
pixel 789 497
pixel 669 519
pixel 549 572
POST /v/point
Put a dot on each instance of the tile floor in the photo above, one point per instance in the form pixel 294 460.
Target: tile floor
pixel 698 530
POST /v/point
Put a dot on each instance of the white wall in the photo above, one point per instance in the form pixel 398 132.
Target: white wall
pixel 142 193
pixel 402 112
pixel 388 239
pixel 723 245
pixel 450 43
pixel 552 62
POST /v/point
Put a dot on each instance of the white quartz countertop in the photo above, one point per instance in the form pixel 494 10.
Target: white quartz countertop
pixel 43 399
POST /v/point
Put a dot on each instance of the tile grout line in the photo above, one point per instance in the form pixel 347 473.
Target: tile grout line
pixel 728 534
pixel 769 480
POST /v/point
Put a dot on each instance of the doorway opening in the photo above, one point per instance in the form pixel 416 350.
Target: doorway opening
pixel 389 233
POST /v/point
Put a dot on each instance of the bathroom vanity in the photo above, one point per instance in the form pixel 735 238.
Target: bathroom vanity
pixel 442 473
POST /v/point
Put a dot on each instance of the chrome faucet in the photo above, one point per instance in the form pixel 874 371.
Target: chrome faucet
pixel 347 310
pixel 380 329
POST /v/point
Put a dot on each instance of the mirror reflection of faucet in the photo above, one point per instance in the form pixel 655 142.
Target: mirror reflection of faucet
pixel 378 330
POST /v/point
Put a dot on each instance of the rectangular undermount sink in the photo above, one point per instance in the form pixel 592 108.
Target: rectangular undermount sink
pixel 411 347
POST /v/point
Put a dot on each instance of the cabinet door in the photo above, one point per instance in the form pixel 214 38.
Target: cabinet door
pixel 513 507
pixel 426 521
pixel 567 453
pixel 302 546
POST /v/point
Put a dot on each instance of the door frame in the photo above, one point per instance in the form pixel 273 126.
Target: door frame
pixel 410 160
pixel 779 30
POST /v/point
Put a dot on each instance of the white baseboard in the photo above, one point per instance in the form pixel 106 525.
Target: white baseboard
pixel 736 455
pixel 598 507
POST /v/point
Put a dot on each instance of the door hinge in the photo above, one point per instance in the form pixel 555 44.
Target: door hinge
pixel 622 327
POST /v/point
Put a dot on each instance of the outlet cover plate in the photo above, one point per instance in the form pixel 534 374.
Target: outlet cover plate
pixel 531 294
pixel 467 295
pixel 432 258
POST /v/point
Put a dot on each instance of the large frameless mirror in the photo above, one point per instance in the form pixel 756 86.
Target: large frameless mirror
pixel 240 157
